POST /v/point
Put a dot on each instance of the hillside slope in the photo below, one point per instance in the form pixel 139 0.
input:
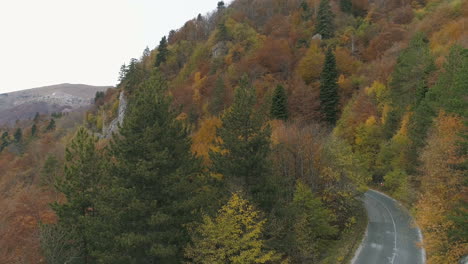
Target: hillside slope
pixel 46 100
pixel 264 120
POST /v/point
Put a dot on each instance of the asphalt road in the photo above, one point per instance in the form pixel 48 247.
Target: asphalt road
pixel 391 237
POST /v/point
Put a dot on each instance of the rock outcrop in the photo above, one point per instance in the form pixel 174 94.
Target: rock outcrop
pixel 118 121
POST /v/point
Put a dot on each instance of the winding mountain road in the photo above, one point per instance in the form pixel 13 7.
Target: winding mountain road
pixel 391 237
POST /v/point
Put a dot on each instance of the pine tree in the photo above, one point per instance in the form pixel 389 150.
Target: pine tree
pixel 5 140
pixel 221 5
pixel 234 236
pixel 146 53
pixel 329 88
pixel 222 34
pixel 33 130
pixel 18 136
pixel 217 103
pixel 279 106
pixel 123 72
pixel 51 125
pixel 163 52
pixel 80 186
pixel 244 145
pixel 36 117
pixel 346 6
pixel 325 24
pixel 306 12
pixel 156 184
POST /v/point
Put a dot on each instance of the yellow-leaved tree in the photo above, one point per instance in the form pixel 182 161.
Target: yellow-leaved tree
pixel 443 191
pixel 233 236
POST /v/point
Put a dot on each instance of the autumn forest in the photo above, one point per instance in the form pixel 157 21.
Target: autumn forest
pixel 249 136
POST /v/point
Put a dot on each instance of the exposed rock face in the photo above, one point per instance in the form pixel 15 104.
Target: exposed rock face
pixel 220 49
pixel 317 37
pixel 114 125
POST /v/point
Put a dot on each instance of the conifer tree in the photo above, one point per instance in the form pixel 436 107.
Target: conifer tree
pixel 244 145
pixel 163 52
pixel 217 103
pixel 33 130
pixel 346 6
pixel 36 117
pixel 80 185
pixel 18 136
pixel 279 106
pixel 325 24
pixel 5 141
pixel 233 236
pixel 51 125
pixel 329 88
pixel 221 5
pixel 155 184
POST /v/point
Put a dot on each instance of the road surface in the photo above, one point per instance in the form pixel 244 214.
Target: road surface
pixel 391 237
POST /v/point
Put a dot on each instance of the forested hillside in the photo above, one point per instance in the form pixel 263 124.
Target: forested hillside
pixel 249 136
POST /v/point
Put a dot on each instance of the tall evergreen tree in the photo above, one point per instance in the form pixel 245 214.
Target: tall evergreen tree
pixel 36 117
pixel 155 183
pixel 346 6
pixel 325 17
pixel 51 125
pixel 329 98
pixel 221 5
pixel 80 185
pixel 163 52
pixel 33 130
pixel 18 136
pixel 219 93
pixel 279 106
pixel 244 145
pixel 4 140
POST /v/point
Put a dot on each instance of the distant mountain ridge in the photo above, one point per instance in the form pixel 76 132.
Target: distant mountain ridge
pixel 25 104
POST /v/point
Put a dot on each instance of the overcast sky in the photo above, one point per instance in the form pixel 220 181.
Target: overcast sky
pixel 45 42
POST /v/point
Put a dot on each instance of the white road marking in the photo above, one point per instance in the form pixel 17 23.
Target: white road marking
pixel 392 260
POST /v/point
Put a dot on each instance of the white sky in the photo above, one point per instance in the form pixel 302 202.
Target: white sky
pixel 45 42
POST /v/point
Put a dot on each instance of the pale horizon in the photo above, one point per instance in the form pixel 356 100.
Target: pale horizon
pixel 52 42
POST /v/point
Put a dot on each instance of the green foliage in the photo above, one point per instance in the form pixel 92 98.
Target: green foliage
pixel 342 176
pixel 346 6
pixel 36 117
pixel 80 186
pixel 219 94
pixel 409 82
pixel 33 130
pixel 55 245
pixel 397 183
pixel 325 17
pixel 244 146
pixel 221 5
pixel 222 34
pixel 163 52
pixel 306 12
pixel 18 136
pixel 235 235
pixel 156 182
pixel 4 140
pixel 279 105
pixel 99 96
pixel 51 125
pixel 312 224
pixel 329 98
pixel 50 171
